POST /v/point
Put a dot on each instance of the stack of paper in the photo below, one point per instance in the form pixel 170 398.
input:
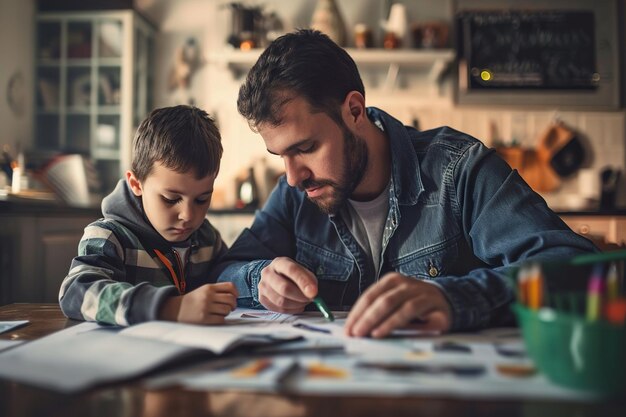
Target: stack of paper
pixel 89 354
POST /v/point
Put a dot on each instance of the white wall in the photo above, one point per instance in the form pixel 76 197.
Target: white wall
pixel 16 63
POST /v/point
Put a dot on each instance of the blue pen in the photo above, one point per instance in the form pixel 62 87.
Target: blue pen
pixel 311 328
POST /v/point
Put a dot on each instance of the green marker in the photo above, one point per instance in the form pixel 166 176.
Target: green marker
pixel 321 306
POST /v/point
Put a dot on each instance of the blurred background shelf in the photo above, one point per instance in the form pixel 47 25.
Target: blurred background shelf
pixel 92 77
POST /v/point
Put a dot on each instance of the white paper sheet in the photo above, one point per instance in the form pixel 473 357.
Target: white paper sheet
pixel 82 356
pixel 458 365
pixel 350 378
pixel 6 344
pixel 5 326
pixel 216 339
pixel 88 354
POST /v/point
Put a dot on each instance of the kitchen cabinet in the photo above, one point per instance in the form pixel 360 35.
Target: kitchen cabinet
pixel 38 242
pixel 93 72
pixel 600 228
pixel 36 250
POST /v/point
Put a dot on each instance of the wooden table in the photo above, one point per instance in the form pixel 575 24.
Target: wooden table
pixel 131 399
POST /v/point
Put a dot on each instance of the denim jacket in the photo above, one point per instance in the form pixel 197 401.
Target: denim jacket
pixel 459 217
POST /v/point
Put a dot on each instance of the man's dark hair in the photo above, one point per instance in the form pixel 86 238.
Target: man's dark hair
pixel 182 138
pixel 306 64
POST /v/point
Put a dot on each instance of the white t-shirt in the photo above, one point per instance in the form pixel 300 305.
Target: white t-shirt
pixel 182 254
pixel 366 220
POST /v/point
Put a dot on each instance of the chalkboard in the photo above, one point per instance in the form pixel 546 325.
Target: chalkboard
pixel 548 49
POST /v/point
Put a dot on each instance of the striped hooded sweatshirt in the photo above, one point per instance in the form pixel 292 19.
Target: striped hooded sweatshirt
pixel 117 277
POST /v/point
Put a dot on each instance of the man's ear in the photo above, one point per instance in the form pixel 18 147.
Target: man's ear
pixel 134 183
pixel 353 108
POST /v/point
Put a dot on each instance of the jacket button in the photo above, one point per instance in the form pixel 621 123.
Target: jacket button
pixel 432 271
pixel 320 270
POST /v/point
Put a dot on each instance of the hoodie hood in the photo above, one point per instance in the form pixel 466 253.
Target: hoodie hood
pixel 126 208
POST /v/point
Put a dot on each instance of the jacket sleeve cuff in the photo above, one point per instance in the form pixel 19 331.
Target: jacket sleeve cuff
pixel 469 308
pixel 147 301
pixel 254 277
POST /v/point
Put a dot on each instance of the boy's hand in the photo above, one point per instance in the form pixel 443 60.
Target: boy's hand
pixel 208 304
pixel 395 302
pixel 286 286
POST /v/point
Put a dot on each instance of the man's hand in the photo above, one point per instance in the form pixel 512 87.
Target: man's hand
pixel 395 302
pixel 208 304
pixel 286 286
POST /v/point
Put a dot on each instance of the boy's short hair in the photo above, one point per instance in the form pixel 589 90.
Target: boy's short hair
pixel 182 138
pixel 305 63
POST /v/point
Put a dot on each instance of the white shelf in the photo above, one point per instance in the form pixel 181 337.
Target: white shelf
pixel 409 57
pixel 434 60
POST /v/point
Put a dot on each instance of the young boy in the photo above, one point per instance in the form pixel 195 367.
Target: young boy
pixel 150 257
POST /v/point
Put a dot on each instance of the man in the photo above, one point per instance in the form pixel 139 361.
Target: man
pixel 410 228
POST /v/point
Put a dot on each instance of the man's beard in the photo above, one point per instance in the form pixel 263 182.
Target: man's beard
pixel 354 163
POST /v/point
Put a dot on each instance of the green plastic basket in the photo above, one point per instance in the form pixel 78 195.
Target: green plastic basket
pixel 574 352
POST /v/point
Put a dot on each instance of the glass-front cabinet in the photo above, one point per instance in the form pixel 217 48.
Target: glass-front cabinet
pixel 93 78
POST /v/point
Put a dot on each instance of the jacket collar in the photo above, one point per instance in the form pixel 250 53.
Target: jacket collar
pixel 406 181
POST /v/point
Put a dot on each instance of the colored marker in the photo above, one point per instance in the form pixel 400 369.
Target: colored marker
pixel 615 311
pixel 612 283
pixel 595 288
pixel 320 370
pixel 321 306
pixel 535 288
pixel 522 286
pixel 252 368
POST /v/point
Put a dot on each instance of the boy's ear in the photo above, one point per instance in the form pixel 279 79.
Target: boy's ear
pixel 133 183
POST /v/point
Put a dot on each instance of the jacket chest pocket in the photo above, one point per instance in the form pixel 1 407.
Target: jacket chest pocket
pixel 332 270
pixel 429 263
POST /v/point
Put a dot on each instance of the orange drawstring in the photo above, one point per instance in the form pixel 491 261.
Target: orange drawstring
pixel 179 283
